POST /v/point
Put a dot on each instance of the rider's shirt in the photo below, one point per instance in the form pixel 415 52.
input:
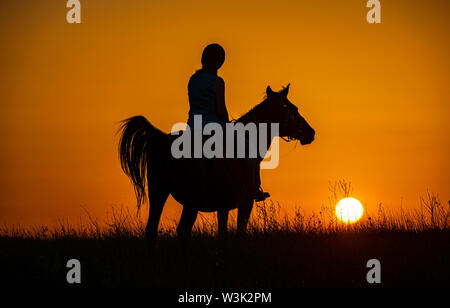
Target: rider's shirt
pixel 202 98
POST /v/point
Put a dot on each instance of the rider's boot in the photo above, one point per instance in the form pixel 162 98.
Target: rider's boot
pixel 260 195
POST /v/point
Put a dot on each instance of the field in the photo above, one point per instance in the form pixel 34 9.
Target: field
pixel 278 251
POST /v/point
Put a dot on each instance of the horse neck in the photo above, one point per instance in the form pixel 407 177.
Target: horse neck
pixel 258 116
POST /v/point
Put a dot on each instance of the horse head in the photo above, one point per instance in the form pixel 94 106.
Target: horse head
pixel 292 125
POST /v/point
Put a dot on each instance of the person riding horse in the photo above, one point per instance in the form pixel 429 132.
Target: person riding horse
pixel 146 155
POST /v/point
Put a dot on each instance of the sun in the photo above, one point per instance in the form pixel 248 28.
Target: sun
pixel 349 210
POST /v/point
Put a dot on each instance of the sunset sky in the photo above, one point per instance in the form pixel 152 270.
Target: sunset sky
pixel 376 94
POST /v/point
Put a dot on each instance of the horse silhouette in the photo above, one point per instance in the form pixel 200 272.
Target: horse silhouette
pixel 206 185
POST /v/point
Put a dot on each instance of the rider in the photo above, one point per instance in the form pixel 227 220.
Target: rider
pixel 206 93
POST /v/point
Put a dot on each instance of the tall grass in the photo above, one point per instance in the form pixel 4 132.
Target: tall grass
pixel 267 217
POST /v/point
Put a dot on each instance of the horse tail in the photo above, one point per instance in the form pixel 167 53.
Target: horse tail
pixel 140 142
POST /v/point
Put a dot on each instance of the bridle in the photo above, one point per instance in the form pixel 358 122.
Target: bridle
pixel 285 124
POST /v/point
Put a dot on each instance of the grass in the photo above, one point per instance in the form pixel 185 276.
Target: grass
pixel 314 250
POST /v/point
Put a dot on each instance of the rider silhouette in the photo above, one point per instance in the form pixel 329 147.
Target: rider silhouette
pixel 206 92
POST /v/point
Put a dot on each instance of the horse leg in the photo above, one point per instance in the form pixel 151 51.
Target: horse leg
pixel 157 199
pixel 244 211
pixel 187 220
pixel 222 219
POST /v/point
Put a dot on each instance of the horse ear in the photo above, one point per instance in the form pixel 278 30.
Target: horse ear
pixel 269 91
pixel 286 90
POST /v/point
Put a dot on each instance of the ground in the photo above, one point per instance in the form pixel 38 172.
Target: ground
pixel 258 261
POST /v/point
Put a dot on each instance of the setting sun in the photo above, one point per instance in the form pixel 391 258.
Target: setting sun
pixel 349 210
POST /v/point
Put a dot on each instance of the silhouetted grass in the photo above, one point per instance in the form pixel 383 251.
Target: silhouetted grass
pixel 298 250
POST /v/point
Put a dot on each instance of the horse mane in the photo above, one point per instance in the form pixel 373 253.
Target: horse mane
pixel 251 112
pixel 249 115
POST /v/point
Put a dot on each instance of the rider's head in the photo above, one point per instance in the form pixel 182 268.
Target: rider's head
pixel 213 57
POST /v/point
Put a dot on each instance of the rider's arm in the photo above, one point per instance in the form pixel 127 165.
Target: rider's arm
pixel 222 112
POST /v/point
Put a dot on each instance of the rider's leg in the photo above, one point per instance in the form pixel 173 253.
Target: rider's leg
pixel 253 180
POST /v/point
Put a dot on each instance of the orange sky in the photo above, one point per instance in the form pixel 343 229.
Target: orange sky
pixel 377 95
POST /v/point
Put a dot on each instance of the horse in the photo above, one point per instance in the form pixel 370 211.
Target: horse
pixel 145 157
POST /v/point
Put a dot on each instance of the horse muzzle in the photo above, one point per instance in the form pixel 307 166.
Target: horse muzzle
pixel 304 140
